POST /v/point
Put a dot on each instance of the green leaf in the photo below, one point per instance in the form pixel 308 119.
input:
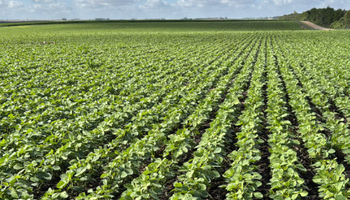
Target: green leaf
pixel 80 171
pixel 301 168
pixel 177 184
pixel 304 193
pixel 126 197
pixel 14 193
pixel 17 167
pixel 123 174
pixel 44 175
pixel 129 186
pixel 104 175
pixel 340 197
pixel 64 195
pixel 202 186
pixel 61 184
pixel 258 195
pixel 218 150
pixel 203 193
pixel 331 151
pixel 34 179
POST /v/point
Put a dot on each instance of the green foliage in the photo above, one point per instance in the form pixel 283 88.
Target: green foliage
pixel 326 17
pixel 342 23
pixel 165 110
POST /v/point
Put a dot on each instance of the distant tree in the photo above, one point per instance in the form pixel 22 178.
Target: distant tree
pixel 342 23
pixel 347 17
pixel 321 16
pixel 293 16
pixel 338 14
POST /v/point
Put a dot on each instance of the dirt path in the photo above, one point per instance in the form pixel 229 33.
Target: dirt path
pixel 317 27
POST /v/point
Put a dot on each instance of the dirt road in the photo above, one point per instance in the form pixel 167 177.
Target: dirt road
pixel 314 26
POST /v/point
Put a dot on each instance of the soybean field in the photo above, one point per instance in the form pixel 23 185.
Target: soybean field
pixel 174 110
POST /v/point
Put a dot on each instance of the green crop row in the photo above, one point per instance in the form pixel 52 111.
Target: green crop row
pixel 174 110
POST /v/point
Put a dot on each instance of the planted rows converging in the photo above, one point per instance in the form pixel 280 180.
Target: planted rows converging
pixel 175 115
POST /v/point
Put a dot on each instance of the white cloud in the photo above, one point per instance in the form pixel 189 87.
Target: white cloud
pixel 184 3
pixel 43 1
pixel 55 9
pixel 14 4
pixel 238 2
pixel 38 9
pixel 126 9
pixel 201 3
pixel 103 3
pixel 282 2
pixel 4 4
pixel 154 4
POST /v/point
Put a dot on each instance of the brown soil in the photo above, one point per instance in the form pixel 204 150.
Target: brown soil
pixel 314 26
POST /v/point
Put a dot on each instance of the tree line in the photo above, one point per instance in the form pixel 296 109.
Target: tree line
pixel 327 17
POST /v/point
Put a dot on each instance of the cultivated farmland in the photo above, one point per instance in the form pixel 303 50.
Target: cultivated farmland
pixel 174 110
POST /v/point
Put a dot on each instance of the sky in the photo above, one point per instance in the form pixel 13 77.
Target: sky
pixel 152 9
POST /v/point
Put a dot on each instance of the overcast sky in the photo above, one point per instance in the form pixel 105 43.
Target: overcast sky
pixel 170 9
